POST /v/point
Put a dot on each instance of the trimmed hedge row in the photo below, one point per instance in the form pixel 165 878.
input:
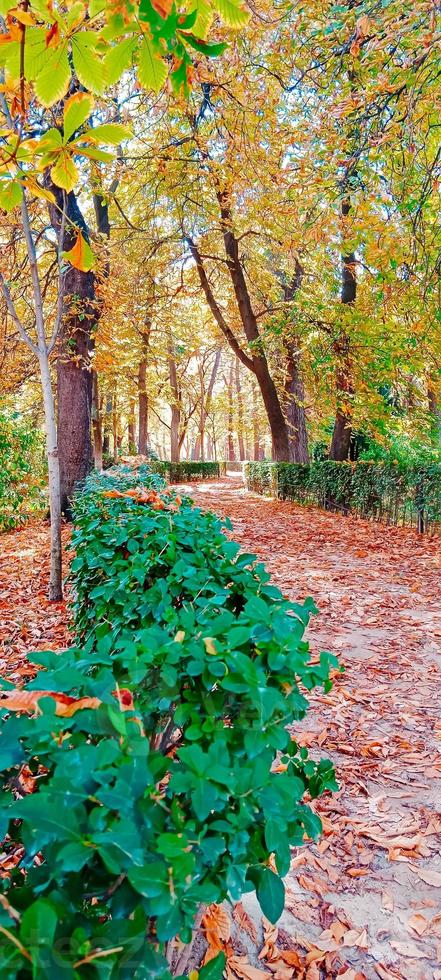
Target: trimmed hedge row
pixel 392 492
pixel 189 470
pixel 155 793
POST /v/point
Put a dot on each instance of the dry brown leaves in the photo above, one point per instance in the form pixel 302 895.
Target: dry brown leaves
pixel 377 867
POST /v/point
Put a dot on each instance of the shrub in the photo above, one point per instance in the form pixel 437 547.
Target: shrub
pixel 189 470
pixel 159 796
pixel 392 490
pixel 22 472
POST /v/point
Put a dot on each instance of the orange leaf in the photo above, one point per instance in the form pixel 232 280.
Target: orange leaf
pixel 163 7
pixel 80 255
pixel 28 701
pixel 53 35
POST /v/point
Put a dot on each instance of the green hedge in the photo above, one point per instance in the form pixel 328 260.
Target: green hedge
pixel 160 797
pixel 392 492
pixel 189 470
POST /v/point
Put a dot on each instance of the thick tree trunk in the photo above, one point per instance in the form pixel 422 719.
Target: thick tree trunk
pixel 74 374
pixel 295 407
pixel 97 424
pixel 276 418
pixel 341 436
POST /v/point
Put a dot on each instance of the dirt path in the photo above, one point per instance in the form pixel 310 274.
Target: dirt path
pixel 377 870
pixel 373 882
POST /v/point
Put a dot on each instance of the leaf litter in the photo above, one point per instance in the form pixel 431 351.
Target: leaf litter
pixel 364 901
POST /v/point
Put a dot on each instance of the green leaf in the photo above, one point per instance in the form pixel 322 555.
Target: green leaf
pixel 150 880
pixel 76 110
pixel 270 893
pixel 118 59
pixel 52 84
pixel 214 969
pixel 153 70
pixel 113 133
pixel 210 50
pixel 232 13
pixel 93 153
pixel 10 195
pixel 38 924
pixel 87 64
pixel 204 17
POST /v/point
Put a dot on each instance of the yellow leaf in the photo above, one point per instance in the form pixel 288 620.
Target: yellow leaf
pixel 180 636
pixel 81 255
pixel 23 16
pixel 35 188
pixel 65 173
pixel 209 645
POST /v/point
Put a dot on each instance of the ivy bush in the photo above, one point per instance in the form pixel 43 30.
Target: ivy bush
pixel 152 755
pixel 393 490
pixel 22 471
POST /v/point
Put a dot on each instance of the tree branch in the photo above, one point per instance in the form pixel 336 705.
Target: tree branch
pixel 215 308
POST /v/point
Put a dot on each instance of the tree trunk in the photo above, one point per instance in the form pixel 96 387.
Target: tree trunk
pixel 257 363
pixel 55 578
pixel 175 407
pixel 256 427
pixel 294 400
pixel 132 428
pixel 74 374
pixel 96 424
pixel 240 416
pixel 435 415
pixel 341 436
pixel 143 400
pixel 276 418
pixel 115 428
pixel 231 455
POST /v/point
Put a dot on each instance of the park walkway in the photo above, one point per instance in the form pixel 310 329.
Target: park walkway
pixel 366 900
pixel 374 879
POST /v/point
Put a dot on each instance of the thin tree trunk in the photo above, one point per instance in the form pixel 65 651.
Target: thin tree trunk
pixel 256 427
pixel 55 579
pixel 257 363
pixel 240 416
pixel 96 424
pixel 115 428
pixel 202 414
pixel 132 428
pixel 143 401
pixel 230 415
pixel 435 415
pixel 175 406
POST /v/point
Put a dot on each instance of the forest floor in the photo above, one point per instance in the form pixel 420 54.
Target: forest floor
pixel 365 901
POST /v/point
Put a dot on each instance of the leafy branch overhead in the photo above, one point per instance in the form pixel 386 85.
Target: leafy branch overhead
pixel 48 45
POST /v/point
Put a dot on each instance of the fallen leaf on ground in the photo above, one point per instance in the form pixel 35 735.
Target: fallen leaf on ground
pixel 408 949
